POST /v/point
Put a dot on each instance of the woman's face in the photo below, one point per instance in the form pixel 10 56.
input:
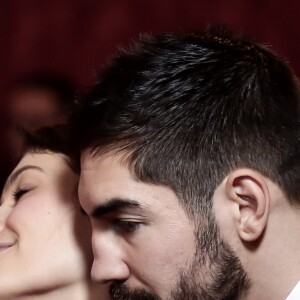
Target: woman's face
pixel 44 238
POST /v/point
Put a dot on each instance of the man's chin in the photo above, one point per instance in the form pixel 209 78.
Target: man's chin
pixel 120 291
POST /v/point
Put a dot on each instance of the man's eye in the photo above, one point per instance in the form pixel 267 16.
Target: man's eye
pixel 126 226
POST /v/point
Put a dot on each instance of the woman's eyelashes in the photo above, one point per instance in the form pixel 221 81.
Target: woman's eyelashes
pixel 19 192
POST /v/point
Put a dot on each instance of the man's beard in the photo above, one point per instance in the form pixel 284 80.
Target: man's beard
pixel 221 279
pixel 215 273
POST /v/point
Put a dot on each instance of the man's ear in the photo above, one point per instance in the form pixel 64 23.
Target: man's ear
pixel 249 190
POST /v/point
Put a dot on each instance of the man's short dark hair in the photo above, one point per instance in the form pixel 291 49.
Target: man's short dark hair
pixel 189 108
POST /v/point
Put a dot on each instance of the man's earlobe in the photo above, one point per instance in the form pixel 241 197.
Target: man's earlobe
pixel 249 190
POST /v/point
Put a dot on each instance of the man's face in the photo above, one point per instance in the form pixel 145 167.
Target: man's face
pixel 143 241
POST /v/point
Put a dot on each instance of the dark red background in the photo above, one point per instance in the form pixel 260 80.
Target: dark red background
pixel 74 37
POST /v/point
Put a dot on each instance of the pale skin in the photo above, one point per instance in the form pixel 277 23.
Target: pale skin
pixel 148 244
pixel 45 251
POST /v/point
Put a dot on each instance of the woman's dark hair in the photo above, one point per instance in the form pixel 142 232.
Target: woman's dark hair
pixel 52 139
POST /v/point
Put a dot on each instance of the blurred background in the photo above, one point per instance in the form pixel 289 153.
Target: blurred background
pixel 45 41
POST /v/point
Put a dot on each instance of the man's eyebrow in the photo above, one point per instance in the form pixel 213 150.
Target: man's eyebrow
pixel 12 178
pixel 114 205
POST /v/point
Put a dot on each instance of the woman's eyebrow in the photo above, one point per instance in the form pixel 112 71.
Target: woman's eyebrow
pixel 12 178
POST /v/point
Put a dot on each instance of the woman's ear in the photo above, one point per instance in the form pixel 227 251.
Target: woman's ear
pixel 249 190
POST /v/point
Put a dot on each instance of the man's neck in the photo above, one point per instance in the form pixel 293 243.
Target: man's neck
pixel 274 266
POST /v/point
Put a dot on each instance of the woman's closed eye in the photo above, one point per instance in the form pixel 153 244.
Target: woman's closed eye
pixel 19 192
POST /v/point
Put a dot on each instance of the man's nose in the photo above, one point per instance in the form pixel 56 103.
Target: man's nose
pixel 109 259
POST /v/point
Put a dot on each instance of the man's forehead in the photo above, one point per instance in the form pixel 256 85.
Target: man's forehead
pixel 105 177
pixel 87 156
pixel 90 158
pixel 103 174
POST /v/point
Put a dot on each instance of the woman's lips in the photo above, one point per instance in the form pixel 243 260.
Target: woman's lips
pixel 6 245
